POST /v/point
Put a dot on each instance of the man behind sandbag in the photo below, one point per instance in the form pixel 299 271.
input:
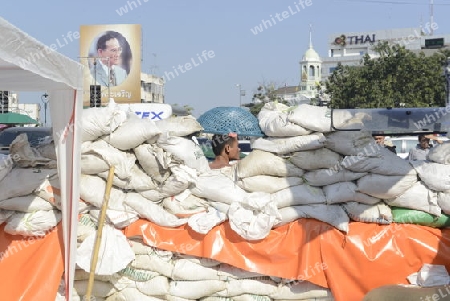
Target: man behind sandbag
pixel 226 149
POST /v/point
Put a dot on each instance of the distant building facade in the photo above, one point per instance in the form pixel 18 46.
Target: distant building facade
pixel 349 49
pixel 152 88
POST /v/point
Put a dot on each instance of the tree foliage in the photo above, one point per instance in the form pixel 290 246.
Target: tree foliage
pixel 266 92
pixel 398 77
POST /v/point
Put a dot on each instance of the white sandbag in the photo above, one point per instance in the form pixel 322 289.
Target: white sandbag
pixel 99 289
pixel 185 204
pixel 301 290
pixel 435 175
pixel 269 184
pixel 290 214
pixel 185 150
pixel 139 247
pixel 185 269
pixel 179 125
pixel 47 150
pixel 86 226
pixel 379 213
pixel 153 195
pixel 122 161
pixel 154 161
pixel 353 143
pixel 182 178
pixel 153 212
pixel 26 156
pixel 23 181
pixel 83 275
pixel 237 287
pixel 196 289
pixel 273 121
pixel 28 203
pixel 37 223
pixel 440 153
pixel 203 222
pixel 210 183
pixel 92 191
pixel 176 298
pixel 128 294
pixel 254 217
pixel 385 163
pixel 138 180
pixel 6 165
pixel 286 145
pixel 138 275
pixel 158 286
pixel 133 132
pixel 101 121
pixel 346 192
pixel 385 187
pixel 418 197
pixel 92 164
pixel 226 271
pixel 115 252
pixel 443 200
pixel 5 215
pixel 206 262
pixel 298 195
pixel 311 117
pixel 322 177
pixel 118 218
pixel 50 191
pixel 154 262
pixel 315 159
pixel 333 215
pixel 265 163
pixel 244 297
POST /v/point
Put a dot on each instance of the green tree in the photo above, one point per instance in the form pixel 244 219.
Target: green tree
pixel 266 92
pixel 398 77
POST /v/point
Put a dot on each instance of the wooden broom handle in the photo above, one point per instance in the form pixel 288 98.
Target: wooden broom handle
pixel 98 237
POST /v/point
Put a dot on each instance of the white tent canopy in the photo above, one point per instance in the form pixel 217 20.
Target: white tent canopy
pixel 28 65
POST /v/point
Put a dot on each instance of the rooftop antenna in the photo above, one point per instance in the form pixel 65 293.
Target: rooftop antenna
pixel 431 16
pixel 154 69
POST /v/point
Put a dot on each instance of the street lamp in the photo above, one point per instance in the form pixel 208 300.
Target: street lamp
pixel 44 99
pixel 241 93
pixel 447 78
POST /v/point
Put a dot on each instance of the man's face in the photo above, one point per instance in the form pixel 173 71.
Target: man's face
pixel 379 139
pixel 424 142
pixel 234 152
pixel 113 51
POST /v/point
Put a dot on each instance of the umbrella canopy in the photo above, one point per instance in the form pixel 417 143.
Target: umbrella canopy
pixel 16 118
pixel 223 120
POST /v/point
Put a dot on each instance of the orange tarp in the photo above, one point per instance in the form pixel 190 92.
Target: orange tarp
pixel 369 256
pixel 350 265
pixel 30 267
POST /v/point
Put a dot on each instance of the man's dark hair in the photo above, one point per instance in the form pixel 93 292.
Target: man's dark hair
pixel 219 142
pixel 101 42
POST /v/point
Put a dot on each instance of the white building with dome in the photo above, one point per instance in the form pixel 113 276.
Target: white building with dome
pixel 310 77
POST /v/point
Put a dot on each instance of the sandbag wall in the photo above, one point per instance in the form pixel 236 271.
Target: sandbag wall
pixel 157 169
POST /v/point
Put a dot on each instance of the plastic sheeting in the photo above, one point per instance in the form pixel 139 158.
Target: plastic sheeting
pixel 351 265
pixel 30 267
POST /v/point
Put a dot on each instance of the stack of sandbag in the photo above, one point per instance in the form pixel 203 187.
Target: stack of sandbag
pixel 156 274
pixel 345 168
pixel 27 206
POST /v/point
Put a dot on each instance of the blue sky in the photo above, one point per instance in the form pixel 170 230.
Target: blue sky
pixel 175 31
